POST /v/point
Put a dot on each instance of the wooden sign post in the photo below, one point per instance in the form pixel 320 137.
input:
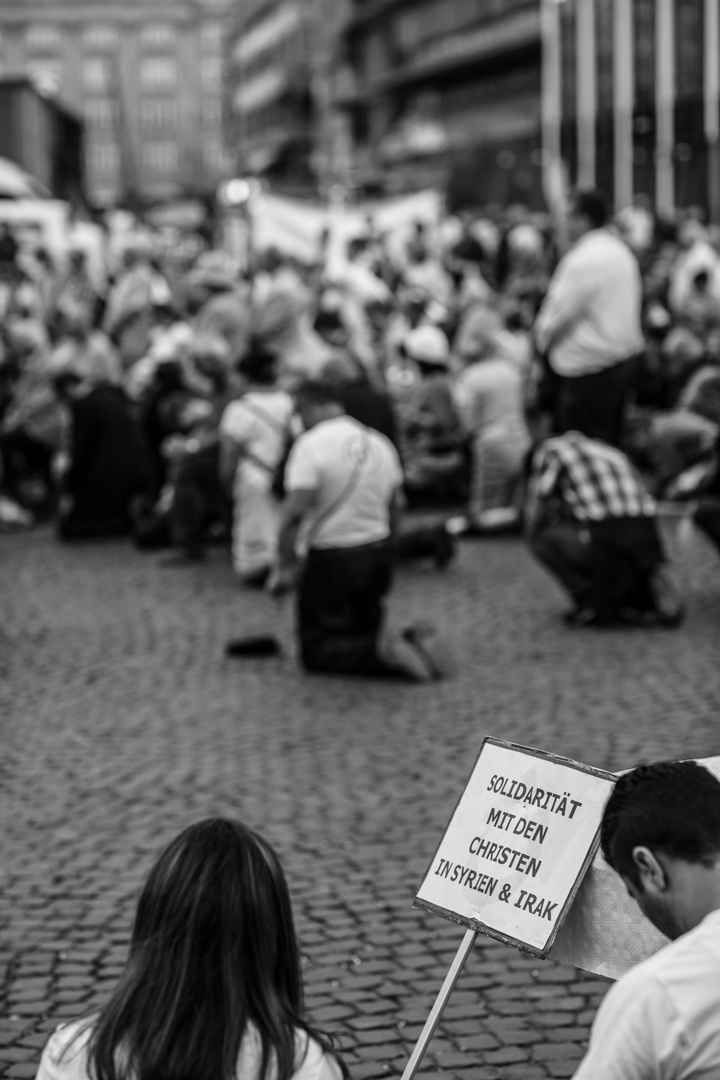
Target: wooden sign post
pixel 517 846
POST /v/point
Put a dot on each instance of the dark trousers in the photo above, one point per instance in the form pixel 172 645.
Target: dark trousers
pixel 340 608
pixel 606 566
pixel 198 499
pixel 595 404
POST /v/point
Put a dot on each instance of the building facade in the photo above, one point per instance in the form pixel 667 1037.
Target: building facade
pixel 446 93
pixel 632 98
pixel 270 89
pixel 146 75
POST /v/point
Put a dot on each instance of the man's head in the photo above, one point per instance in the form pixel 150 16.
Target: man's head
pixel 661 833
pixel 588 210
pixel 259 366
pixel 316 401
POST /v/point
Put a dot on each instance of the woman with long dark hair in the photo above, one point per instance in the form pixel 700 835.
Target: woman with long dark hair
pixel 212 987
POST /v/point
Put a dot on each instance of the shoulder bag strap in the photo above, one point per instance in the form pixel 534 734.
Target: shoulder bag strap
pixel 343 496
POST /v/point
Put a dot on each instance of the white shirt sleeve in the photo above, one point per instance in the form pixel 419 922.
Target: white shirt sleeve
pixel 637 1033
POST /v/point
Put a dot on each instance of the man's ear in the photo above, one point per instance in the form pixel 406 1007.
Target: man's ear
pixel 651 870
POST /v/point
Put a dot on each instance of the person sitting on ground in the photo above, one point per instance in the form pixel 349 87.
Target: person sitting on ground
pixel 218 301
pixel 281 325
pixel 109 473
pixel 254 432
pixel 199 500
pixel 33 423
pixel 489 399
pixel 432 439
pixel 661 833
pixel 343 481
pixel 212 988
pixel 590 520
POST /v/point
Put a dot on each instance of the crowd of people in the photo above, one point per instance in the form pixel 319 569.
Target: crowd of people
pixel 556 381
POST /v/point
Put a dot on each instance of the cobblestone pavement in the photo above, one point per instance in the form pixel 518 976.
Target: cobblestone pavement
pixel 122 722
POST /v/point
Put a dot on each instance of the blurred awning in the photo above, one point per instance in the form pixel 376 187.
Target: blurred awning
pixel 15 183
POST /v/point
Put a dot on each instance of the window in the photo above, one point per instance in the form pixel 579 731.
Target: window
pixel 215 157
pixel 96 74
pixel 159 113
pixel 212 112
pixel 43 38
pixel 211 36
pixel 158 72
pixel 103 157
pixel 160 156
pixel 158 36
pixel 100 37
pixel 99 114
pixel 212 73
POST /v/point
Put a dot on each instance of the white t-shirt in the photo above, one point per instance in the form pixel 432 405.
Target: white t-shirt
pixel 661 1021
pixel 350 467
pixel 590 318
pixel 63 1061
pixel 258 423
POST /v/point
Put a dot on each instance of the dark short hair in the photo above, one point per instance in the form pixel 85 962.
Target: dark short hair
pixel 259 365
pixel 313 392
pixel 671 806
pixel 592 204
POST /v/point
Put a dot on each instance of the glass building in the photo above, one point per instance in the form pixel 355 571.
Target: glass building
pixel 631 99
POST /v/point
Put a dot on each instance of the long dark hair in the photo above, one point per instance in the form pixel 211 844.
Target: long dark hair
pixel 213 952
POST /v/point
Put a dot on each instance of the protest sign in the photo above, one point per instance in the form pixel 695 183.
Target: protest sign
pixel 518 844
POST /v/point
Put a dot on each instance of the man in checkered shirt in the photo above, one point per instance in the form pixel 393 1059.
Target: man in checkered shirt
pixel 591 522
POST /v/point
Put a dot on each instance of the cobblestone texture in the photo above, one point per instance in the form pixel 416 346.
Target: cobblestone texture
pixel 123 722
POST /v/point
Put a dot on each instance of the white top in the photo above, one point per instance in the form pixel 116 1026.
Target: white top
pixel 489 398
pixel 257 423
pixel 590 318
pixel 55 1064
pixel 661 1021
pixel 350 467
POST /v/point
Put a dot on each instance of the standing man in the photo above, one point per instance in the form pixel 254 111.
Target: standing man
pixel 661 1021
pixel 589 325
pixel 342 481
pixel 591 522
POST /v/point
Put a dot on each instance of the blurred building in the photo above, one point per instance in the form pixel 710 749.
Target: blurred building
pixel 446 93
pixel 269 90
pixel 44 138
pixel 285 63
pixel 632 98
pixel 146 75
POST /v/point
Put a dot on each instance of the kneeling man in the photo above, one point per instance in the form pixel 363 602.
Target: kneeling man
pixel 343 482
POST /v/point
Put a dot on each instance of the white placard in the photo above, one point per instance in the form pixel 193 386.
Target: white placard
pixel 522 835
